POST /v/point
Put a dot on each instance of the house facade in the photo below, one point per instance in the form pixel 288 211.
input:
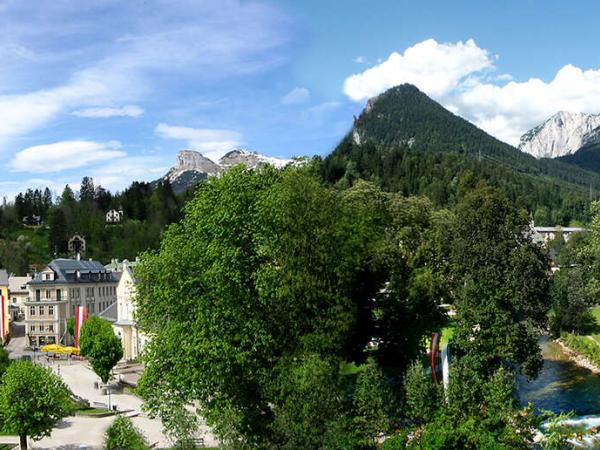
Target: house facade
pixel 54 292
pixel 17 294
pixel 132 340
pixel 114 216
pixel 5 315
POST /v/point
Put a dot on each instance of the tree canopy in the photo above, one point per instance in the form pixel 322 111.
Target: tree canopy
pixel 32 401
pixel 98 341
pixel 269 287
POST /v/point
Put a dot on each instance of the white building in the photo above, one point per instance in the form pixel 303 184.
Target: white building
pixel 17 294
pixel 125 327
pixel 114 216
pixel 58 289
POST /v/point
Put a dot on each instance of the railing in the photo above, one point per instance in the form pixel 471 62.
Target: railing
pixel 44 299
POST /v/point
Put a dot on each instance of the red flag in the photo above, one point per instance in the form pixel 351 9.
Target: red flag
pixel 433 352
pixel 80 317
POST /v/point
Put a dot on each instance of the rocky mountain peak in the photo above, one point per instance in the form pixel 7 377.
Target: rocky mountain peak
pixel 192 167
pixel 192 160
pixel 562 134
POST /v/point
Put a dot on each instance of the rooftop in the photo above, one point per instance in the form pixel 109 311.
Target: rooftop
pixel 76 271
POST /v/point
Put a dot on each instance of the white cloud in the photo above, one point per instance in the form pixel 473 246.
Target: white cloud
pixel 204 41
pixel 458 75
pixel 296 95
pixel 435 68
pixel 209 141
pixel 105 112
pixel 507 111
pixel 359 60
pixel 63 155
pixel 119 174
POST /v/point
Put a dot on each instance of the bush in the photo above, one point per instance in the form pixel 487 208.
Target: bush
pixel 583 345
pixel 396 442
pixel 122 435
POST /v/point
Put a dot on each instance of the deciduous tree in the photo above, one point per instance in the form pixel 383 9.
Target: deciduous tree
pixel 32 401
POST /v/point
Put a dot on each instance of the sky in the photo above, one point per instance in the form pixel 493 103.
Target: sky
pixel 114 89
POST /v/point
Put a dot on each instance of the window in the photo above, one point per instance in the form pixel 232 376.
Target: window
pixel 42 312
pixel 32 310
pixel 51 328
pixel 51 310
pixel 37 295
pixel 58 295
pixel 32 328
pixel 48 293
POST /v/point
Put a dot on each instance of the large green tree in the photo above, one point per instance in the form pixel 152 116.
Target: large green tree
pixel 32 401
pixel 269 286
pixel 98 341
pixel 501 283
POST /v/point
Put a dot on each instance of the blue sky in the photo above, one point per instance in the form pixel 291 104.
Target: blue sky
pixel 114 89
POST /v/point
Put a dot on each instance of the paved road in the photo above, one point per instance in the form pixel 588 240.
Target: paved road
pixel 85 432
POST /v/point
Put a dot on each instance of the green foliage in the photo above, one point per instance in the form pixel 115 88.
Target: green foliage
pixel 571 300
pixel 479 413
pixel 148 210
pixel 32 400
pixel 71 326
pixel 4 361
pixel 501 285
pixel 99 342
pixel 122 435
pixel 421 395
pixel 372 403
pixel 411 144
pixel 585 345
pixel 556 435
pixel 398 441
pixel 270 285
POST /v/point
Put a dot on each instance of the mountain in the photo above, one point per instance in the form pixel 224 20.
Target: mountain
pixel 587 157
pixel 562 134
pixel 406 142
pixel 250 159
pixel 191 167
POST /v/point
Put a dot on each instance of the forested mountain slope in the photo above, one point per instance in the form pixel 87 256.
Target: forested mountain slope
pixel 409 143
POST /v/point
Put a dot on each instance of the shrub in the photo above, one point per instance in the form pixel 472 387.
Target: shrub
pixel 122 435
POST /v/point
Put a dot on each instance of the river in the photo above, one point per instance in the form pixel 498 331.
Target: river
pixel 564 386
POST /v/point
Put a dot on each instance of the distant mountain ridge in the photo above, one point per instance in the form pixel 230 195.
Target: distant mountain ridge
pixel 406 142
pixel 191 166
pixel 562 134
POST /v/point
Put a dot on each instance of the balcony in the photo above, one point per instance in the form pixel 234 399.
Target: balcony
pixel 35 301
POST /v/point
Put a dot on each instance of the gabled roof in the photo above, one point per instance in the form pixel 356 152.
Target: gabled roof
pixel 65 271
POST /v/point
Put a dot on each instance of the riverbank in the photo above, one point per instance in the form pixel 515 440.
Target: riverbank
pixel 581 353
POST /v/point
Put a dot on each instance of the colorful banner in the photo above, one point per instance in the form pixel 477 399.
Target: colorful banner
pixel 80 317
pixel 433 353
pixel 2 318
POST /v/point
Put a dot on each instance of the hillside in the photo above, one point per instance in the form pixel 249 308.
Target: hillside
pixel 587 157
pixel 406 142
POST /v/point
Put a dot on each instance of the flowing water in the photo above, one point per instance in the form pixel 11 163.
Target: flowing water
pixel 564 386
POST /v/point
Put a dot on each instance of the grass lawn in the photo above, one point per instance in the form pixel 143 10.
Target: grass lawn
pixel 93 411
pixel 596 314
pixel 7 446
pixel 447 332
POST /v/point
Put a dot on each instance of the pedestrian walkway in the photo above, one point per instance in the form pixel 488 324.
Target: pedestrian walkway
pixel 86 432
